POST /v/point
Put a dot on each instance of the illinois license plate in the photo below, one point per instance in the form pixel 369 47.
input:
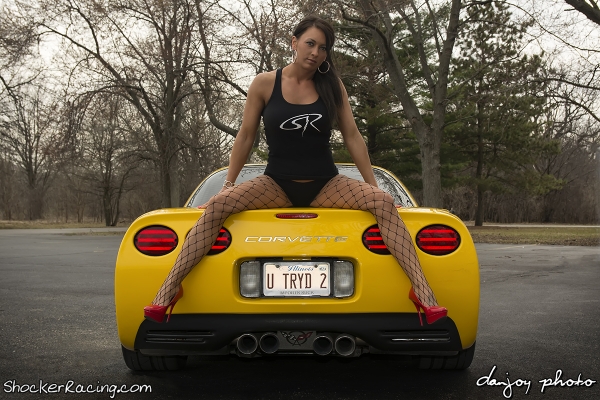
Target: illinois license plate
pixel 296 279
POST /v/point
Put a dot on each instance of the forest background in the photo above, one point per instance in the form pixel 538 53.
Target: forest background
pixel 109 109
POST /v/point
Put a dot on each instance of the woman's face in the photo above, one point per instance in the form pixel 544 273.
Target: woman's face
pixel 311 48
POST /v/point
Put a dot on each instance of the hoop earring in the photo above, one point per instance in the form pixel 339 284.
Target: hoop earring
pixel 294 55
pixel 328 67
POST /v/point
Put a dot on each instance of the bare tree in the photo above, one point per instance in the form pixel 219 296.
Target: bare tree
pixel 31 134
pixel 17 40
pixel 252 38
pixel 205 148
pixel 140 50
pixel 575 165
pixel 398 27
pixel 106 160
pixel 8 186
pixel 589 8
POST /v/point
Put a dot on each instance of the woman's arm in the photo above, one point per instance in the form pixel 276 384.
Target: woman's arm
pixel 255 102
pixel 354 140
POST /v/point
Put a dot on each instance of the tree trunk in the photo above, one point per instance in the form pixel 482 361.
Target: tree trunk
pixel 430 169
pixel 35 203
pixel 174 183
pixel 107 207
pixel 429 136
pixel 165 184
pixel 168 163
pixel 479 211
pixel 479 170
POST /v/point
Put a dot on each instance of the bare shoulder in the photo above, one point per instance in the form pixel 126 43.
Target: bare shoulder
pixel 263 84
pixel 266 77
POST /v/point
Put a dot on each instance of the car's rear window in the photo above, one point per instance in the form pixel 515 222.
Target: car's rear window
pixel 213 183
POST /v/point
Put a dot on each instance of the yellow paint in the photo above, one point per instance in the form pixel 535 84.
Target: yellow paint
pixel 213 286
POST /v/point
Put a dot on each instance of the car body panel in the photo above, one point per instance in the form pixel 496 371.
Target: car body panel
pixel 213 285
pixel 212 315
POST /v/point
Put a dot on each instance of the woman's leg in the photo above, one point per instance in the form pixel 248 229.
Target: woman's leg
pixel 257 193
pixel 344 192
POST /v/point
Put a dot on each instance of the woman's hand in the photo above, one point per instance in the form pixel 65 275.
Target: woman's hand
pixel 223 189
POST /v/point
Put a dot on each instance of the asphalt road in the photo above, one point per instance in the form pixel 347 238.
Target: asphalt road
pixel 540 316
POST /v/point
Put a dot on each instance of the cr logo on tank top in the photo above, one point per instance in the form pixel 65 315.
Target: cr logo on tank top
pixel 301 122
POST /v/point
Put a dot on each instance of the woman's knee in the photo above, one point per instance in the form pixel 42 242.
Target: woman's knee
pixel 378 199
pixel 222 202
pixel 387 198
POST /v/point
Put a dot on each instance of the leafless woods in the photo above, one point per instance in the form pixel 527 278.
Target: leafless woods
pixel 110 109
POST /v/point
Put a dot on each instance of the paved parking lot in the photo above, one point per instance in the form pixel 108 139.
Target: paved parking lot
pixel 538 329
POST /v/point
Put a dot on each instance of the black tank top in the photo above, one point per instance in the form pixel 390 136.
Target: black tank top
pixel 298 137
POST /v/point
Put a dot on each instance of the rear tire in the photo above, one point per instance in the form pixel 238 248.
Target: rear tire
pixel 460 361
pixel 136 361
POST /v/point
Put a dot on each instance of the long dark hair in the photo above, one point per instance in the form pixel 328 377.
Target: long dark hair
pixel 327 84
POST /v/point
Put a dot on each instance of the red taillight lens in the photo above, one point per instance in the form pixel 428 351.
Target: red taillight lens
pixel 373 241
pixel 296 215
pixel 155 240
pixel 222 243
pixel 438 240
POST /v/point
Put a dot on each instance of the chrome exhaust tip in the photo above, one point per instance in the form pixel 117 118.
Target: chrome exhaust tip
pixel 247 344
pixel 345 345
pixel 323 345
pixel 269 343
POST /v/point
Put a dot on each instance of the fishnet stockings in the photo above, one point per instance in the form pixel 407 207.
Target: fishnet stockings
pixel 344 192
pixel 260 192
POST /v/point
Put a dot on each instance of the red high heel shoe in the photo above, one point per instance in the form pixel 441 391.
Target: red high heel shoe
pixel 432 313
pixel 157 313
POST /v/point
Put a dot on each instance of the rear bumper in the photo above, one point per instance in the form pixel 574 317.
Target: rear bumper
pixel 384 333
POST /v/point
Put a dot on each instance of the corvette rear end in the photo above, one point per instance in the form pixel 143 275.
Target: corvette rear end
pixel 306 281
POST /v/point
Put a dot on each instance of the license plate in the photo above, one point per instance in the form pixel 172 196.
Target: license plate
pixel 296 279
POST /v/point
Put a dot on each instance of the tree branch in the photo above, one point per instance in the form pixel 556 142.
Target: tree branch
pixel 588 8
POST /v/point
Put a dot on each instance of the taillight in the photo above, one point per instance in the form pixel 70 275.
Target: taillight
pixel 222 243
pixel 155 240
pixel 438 240
pixel 373 241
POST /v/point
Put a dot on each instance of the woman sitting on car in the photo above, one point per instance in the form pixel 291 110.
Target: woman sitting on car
pixel 299 104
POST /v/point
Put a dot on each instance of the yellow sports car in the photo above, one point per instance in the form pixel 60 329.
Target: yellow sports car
pixel 288 281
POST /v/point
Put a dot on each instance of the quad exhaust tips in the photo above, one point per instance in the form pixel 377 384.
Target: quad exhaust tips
pixel 247 344
pixel 345 345
pixel 323 345
pixel 269 343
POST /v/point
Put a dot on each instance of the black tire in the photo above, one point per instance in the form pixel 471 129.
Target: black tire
pixel 460 361
pixel 136 361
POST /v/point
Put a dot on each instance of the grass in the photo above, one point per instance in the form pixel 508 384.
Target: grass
pixel 41 224
pixel 563 235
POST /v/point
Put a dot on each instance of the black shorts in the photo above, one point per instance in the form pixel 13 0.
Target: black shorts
pixel 301 194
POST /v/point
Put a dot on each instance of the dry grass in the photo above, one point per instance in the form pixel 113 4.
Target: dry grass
pixel 41 224
pixel 564 235
pixel 95 233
